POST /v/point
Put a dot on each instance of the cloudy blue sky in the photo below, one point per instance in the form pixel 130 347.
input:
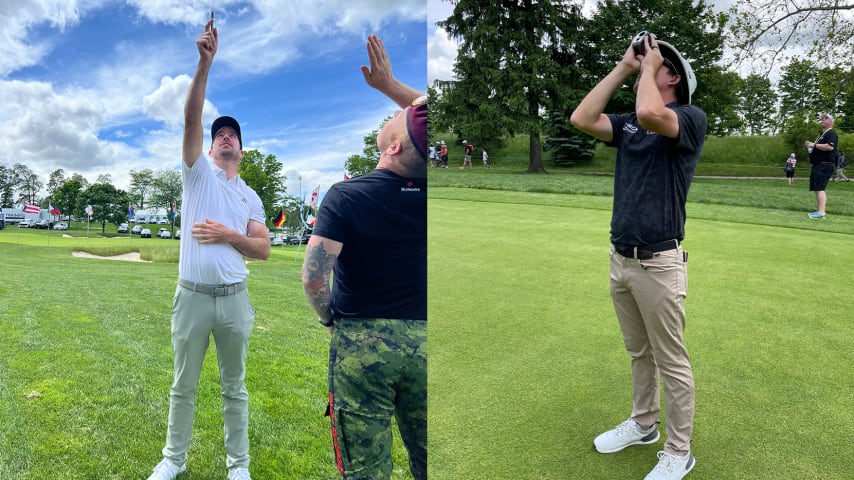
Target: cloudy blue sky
pixel 98 86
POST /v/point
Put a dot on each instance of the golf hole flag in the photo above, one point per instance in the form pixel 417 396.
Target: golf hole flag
pixel 314 195
pixel 30 208
pixel 281 218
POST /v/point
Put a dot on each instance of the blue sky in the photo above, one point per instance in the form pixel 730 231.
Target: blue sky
pixel 98 86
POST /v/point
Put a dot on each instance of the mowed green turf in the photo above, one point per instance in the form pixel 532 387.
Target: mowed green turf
pixel 527 363
pixel 86 365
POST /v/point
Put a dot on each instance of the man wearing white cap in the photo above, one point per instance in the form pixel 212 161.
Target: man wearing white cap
pixel 823 160
pixel 658 147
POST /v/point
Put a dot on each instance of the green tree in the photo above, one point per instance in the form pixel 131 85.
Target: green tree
pixel 807 90
pixel 57 177
pixel 720 99
pixel 166 187
pixel 692 27
pixel 291 205
pixel 567 145
pixel 66 198
pixel 141 186
pixel 28 183
pixel 357 165
pixel 108 202
pixel 8 182
pixel 762 30
pixel 512 63
pixel 263 173
pixel 756 106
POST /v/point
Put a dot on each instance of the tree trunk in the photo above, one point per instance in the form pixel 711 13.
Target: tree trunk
pixel 536 156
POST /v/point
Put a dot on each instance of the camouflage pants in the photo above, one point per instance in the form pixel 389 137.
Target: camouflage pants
pixel 378 369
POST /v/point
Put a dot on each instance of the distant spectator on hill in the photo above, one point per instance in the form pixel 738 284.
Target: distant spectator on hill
pixel 790 168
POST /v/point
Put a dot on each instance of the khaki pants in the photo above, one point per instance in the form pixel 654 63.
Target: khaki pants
pixel 195 316
pixel 648 298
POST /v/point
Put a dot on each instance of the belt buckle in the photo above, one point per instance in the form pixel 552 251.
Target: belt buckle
pixel 643 254
pixel 220 290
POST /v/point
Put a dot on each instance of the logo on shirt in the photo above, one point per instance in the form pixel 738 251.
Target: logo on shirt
pixel 410 187
pixel 630 128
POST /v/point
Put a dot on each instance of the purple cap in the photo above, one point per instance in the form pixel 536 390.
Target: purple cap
pixel 226 121
pixel 416 125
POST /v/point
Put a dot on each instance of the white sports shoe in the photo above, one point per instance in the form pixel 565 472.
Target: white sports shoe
pixel 239 473
pixel 625 435
pixel 672 467
pixel 166 470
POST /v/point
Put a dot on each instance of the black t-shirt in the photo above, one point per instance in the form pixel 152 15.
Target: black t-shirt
pixel 820 156
pixel 652 177
pixel 381 218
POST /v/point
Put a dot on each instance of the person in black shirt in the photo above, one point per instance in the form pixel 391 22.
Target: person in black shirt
pixel 371 231
pixel 823 160
pixel 658 147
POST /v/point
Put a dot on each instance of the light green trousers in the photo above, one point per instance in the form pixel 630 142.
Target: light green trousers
pixel 195 316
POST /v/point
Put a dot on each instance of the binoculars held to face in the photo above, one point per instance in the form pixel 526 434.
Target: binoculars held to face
pixel 637 43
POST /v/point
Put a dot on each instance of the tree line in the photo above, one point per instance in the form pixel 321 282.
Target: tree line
pixel 523 66
pixel 148 189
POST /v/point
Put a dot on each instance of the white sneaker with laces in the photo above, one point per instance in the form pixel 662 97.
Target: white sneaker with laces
pixel 166 470
pixel 625 435
pixel 239 473
pixel 672 467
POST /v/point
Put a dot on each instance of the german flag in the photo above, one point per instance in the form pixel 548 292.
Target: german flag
pixel 280 219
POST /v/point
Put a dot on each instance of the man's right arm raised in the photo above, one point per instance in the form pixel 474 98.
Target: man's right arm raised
pixel 193 134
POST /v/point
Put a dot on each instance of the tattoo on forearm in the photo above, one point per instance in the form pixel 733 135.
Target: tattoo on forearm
pixel 316 271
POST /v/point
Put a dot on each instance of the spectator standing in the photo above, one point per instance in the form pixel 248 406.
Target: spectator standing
pixel 469 148
pixel 841 163
pixel 823 161
pixel 791 162
pixel 486 159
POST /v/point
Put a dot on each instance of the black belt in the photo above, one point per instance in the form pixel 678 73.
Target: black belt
pixel 213 290
pixel 645 252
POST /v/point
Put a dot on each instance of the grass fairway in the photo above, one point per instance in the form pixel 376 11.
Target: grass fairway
pixel 527 363
pixel 86 366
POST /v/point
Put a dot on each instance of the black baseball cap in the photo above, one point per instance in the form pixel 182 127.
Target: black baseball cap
pixel 226 121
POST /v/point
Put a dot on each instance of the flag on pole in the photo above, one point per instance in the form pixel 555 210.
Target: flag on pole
pixel 314 195
pixel 30 208
pixel 174 210
pixel 130 211
pixel 54 210
pixel 280 219
pixel 346 177
pixel 89 210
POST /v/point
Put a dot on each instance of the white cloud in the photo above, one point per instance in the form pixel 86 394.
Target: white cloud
pixel 17 18
pixel 125 112
pixel 442 53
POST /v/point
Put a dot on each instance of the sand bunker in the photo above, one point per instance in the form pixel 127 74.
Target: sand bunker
pixel 127 257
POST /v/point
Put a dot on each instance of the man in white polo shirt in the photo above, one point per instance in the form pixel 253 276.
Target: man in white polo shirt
pixel 227 219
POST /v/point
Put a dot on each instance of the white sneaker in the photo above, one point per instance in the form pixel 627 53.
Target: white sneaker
pixel 625 435
pixel 239 473
pixel 166 470
pixel 672 467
